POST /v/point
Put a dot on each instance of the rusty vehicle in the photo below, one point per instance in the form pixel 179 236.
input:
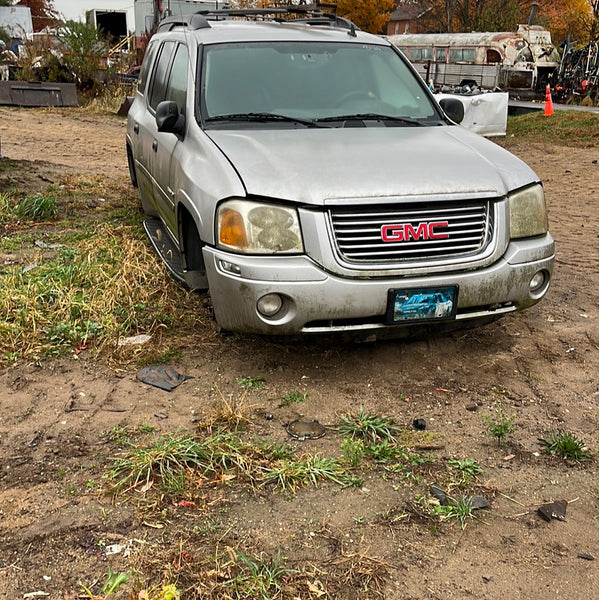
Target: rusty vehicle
pixel 522 61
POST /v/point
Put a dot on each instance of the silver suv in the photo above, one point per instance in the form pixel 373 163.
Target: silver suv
pixel 301 171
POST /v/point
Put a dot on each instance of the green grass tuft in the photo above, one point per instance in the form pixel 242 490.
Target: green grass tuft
pixel 459 509
pixel 567 445
pixel 41 207
pixel 368 427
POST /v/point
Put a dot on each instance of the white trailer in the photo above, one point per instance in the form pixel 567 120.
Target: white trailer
pixel 16 21
pixel 112 23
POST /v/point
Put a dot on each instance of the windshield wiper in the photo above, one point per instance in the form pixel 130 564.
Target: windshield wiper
pixel 370 117
pixel 263 118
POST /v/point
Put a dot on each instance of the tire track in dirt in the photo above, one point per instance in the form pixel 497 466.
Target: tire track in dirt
pixel 67 138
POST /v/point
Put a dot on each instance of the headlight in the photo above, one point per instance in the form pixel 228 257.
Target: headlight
pixel 528 213
pixel 258 228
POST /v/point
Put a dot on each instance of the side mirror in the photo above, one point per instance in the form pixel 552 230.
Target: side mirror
pixel 453 108
pixel 168 117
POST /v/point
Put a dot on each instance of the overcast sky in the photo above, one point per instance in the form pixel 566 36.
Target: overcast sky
pixel 75 9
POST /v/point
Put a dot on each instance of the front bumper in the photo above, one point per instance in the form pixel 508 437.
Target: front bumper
pixel 316 301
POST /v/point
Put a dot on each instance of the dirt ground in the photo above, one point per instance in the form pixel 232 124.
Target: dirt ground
pixel 542 365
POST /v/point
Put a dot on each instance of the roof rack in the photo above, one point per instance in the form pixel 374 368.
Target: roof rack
pixel 305 15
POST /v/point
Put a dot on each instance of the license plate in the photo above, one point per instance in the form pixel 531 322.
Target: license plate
pixel 422 304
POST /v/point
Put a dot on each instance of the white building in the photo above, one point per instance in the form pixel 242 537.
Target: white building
pixel 16 21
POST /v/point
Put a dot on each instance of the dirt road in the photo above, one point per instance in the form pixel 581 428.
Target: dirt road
pixel 541 365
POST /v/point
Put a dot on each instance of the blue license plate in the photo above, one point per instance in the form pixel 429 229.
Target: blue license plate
pixel 422 304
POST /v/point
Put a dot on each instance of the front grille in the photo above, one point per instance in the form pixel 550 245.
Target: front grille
pixel 359 231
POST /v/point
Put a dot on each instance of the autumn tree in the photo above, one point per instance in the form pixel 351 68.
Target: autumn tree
pixel 42 12
pixel 369 15
pixel 472 15
pixel 567 18
pixel 592 22
pixel 561 17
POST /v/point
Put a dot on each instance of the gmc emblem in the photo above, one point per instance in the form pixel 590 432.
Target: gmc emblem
pixel 404 232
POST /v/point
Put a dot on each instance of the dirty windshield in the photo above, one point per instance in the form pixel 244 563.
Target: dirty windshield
pixel 283 84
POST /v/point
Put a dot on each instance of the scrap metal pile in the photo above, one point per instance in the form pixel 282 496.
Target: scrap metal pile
pixel 577 78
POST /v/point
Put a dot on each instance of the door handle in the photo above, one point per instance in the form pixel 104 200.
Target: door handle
pixel 136 128
pixel 155 145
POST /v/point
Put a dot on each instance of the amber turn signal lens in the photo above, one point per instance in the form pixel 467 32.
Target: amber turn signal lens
pixel 232 230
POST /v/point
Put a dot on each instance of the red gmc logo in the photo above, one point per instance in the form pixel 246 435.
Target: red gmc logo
pixel 404 232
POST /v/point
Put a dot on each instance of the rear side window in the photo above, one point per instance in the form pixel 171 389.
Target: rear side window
pixel 145 67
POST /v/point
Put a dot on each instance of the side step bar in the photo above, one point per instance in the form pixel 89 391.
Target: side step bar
pixel 166 249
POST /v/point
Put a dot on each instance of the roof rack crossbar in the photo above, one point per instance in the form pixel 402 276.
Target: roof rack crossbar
pixel 201 19
pixel 324 19
pixel 311 16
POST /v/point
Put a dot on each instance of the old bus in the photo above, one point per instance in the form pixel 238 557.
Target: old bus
pixel 521 61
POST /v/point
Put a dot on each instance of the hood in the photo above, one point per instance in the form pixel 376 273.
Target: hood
pixel 320 166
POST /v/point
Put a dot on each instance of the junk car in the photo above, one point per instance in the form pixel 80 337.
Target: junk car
pixel 301 171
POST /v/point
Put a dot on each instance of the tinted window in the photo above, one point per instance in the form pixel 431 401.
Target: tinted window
pixel 177 82
pixel 159 78
pixel 310 80
pixel 145 67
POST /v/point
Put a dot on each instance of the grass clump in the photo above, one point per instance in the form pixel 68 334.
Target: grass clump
pixel 36 207
pixel 167 460
pixel 567 445
pixel 171 461
pixel 40 207
pixel 308 469
pixel 258 578
pixel 459 508
pixel 247 575
pixel 368 427
pixel 82 279
pixel 229 414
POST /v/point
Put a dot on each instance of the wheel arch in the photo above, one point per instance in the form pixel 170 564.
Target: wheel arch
pixel 191 246
pixel 131 165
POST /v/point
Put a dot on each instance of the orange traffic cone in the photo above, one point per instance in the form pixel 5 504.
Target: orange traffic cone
pixel 548 102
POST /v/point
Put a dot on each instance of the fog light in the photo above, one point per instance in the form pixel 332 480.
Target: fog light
pixel 537 281
pixel 269 305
